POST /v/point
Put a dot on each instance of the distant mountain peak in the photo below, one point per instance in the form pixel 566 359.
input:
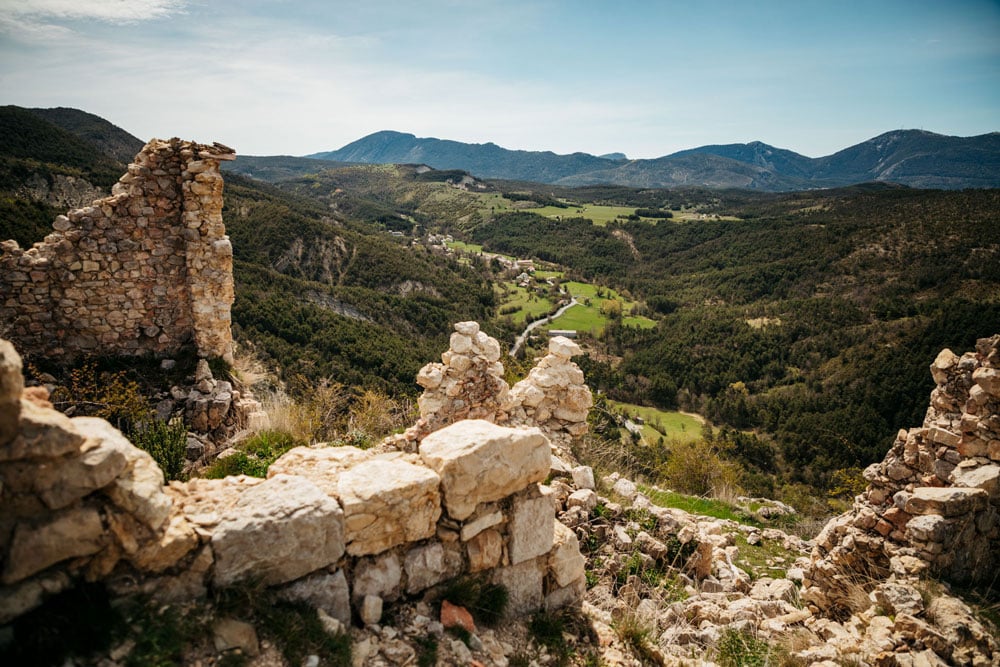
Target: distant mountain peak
pixel 917 158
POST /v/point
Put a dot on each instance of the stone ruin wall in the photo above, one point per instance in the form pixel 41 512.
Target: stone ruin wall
pixel 932 504
pixel 145 270
pixel 344 529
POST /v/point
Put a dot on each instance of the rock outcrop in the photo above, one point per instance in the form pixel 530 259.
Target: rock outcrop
pixel 145 270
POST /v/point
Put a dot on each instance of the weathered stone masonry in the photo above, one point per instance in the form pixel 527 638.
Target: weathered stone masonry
pixel 146 270
pixel 341 528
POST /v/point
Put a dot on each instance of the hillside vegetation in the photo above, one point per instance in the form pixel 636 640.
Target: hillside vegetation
pixel 320 293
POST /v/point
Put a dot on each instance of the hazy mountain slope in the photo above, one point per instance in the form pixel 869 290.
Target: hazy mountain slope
pixel 30 144
pixel 910 157
pixel 693 169
pixel 779 160
pixel 273 168
pixel 112 140
pixel 918 159
pixel 483 160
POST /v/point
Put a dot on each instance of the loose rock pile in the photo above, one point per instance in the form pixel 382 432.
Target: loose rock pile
pixel 143 271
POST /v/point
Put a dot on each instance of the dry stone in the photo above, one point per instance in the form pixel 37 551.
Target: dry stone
pixel 42 434
pixel 388 502
pixel 566 563
pixel 379 576
pixel 531 530
pixel 321 465
pixel 480 462
pixel 429 565
pixel 467 384
pixel 11 384
pixel 278 531
pixel 324 591
pixel 524 586
pixel 153 255
pixel 928 503
pixel 67 534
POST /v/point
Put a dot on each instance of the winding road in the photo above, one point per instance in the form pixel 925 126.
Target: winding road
pixel 537 323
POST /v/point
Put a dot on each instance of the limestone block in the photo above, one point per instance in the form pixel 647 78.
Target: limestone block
pixel 943 436
pixel 481 462
pixel 485 550
pixel 379 576
pixel 371 610
pixel 480 523
pixel 899 599
pixel 564 348
pixel 583 477
pixel 139 489
pixel 324 591
pixel 927 528
pixel 177 540
pixel 60 536
pixel 945 361
pixel 229 633
pixel 11 384
pixel 26 595
pixel 429 565
pixel 278 531
pixel 321 465
pixel 989 379
pixel 985 477
pixel 41 434
pixel 388 502
pixel 947 502
pixel 584 498
pixel 64 480
pixel 567 596
pixel 625 488
pixel 531 527
pixel 566 563
pixel 524 586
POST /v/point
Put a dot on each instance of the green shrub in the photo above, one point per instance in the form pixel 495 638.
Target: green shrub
pixel 166 442
pixel 253 456
pixel 742 649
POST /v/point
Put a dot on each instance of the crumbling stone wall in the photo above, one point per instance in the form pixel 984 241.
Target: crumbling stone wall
pixel 339 527
pixel 468 383
pixel 933 503
pixel 146 270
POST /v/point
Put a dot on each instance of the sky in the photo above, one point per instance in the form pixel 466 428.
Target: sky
pixel 646 78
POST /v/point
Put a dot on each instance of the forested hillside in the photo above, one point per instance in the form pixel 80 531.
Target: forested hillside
pixel 810 318
pixel 319 293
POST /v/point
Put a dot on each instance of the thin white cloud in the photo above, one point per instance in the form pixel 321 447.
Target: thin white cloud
pixel 112 11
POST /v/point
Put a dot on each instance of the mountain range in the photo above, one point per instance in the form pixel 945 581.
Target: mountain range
pixel 916 158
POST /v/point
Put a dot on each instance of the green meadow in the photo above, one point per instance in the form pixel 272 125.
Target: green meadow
pixel 661 423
